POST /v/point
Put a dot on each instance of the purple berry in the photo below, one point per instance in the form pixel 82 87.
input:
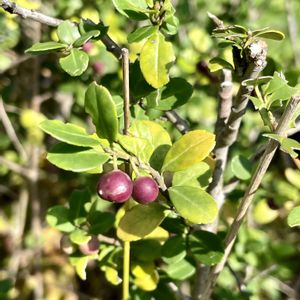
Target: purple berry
pixel 91 247
pixel 87 47
pixel 115 186
pixel 66 246
pixel 145 190
pixel 98 67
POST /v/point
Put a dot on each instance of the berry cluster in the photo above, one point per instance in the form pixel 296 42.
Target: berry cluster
pixel 116 186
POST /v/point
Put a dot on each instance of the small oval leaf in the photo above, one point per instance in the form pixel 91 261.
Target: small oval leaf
pixel 190 149
pixel 155 57
pixel 41 48
pixel 140 221
pixel 75 63
pixel 101 107
pixel 193 204
pixel 294 217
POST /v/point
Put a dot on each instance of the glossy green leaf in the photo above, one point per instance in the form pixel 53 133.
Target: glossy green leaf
pixel 119 103
pixel 76 159
pixel 218 63
pixel 69 133
pixel 174 250
pixel 134 9
pixel 180 270
pixel 170 25
pixel 59 217
pixel 100 222
pixel 79 236
pixel 67 32
pixel 206 247
pixel 140 221
pixel 86 37
pixel 41 48
pixel 101 107
pixel 190 149
pixel 141 33
pixel 193 204
pixel 288 145
pixel 270 34
pixel 80 264
pixel 294 217
pixel 241 167
pixel 176 93
pixel 77 204
pixel 155 57
pixel 75 63
pixel 196 175
pixel 139 147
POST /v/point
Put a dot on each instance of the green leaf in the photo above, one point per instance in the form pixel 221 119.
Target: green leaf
pixel 86 37
pixel 241 167
pixel 293 176
pixel 134 9
pixel 77 204
pixel 79 236
pixel 80 264
pixel 157 138
pixel 181 270
pixel 174 250
pixel 59 217
pixel 101 107
pixel 193 204
pixel 176 93
pixel 206 247
pixel 69 133
pixel 100 222
pixel 170 25
pixel 139 147
pixel 155 57
pixel 270 34
pixel 119 103
pixel 190 149
pixel 288 145
pixel 274 136
pixel 196 175
pixel 42 48
pixel 67 32
pixel 257 102
pixel 141 33
pixel 146 250
pixel 257 81
pixel 140 221
pixel 75 63
pixel 76 159
pixel 218 63
pixel 294 217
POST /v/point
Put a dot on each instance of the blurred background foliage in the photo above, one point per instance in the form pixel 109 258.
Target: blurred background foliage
pixel 266 258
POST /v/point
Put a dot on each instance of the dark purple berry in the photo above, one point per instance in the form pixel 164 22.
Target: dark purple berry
pixel 91 247
pixel 87 47
pixel 145 190
pixel 115 186
pixel 272 204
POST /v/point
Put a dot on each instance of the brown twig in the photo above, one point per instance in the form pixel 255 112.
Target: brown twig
pixel 177 121
pixel 256 179
pixel 126 91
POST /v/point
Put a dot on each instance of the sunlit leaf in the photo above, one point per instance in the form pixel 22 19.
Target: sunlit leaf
pixel 263 214
pixel 294 217
pixel 79 236
pixel 69 133
pixel 67 32
pixel 141 33
pixel 193 204
pixel 75 63
pixel 140 221
pixel 154 59
pixel 42 48
pixel 180 270
pixel 59 217
pixel 190 149
pixel 80 264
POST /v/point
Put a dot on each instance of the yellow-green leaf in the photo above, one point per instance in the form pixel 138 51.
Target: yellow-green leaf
pixel 190 149
pixel 155 57
pixel 146 277
pixel 140 221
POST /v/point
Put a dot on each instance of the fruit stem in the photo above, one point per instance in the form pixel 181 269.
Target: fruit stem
pixel 126 270
pixel 135 169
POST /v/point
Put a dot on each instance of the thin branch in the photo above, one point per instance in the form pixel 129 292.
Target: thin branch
pixel 177 121
pixel 11 131
pixel 250 192
pixel 241 286
pixel 126 91
pixel 176 290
